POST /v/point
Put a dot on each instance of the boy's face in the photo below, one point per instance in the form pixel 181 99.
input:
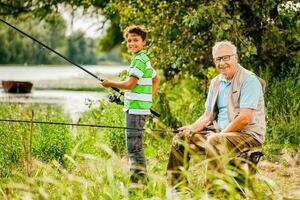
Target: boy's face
pixel 135 42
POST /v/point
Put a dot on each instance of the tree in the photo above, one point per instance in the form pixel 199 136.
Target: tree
pixel 183 32
pixel 18 49
pixel 81 50
pixel 40 9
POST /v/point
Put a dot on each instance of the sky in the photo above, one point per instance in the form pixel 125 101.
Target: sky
pixel 88 21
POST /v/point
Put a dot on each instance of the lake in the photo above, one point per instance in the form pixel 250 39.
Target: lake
pixel 50 80
pixel 33 73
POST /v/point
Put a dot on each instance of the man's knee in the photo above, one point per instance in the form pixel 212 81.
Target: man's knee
pixel 214 139
pixel 215 145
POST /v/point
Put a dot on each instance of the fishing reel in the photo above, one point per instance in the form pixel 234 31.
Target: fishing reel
pixel 115 99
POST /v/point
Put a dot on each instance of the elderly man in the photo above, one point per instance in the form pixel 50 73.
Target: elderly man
pixel 234 119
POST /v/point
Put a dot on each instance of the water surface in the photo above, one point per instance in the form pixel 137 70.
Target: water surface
pixel 72 102
pixel 49 77
pixel 32 73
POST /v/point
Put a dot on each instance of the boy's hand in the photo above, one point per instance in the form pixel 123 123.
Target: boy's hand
pixel 105 83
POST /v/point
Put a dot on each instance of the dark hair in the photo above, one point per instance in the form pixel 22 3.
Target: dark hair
pixel 139 30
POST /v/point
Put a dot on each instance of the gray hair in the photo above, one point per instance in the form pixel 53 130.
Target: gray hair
pixel 224 43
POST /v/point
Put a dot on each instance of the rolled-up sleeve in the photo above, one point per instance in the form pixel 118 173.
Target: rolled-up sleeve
pixel 137 69
pixel 251 91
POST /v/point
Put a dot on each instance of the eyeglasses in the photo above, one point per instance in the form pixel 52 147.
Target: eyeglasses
pixel 224 58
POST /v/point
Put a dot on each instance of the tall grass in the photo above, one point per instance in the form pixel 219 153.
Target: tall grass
pixel 107 114
pixel 283 111
pixel 95 165
pixel 95 177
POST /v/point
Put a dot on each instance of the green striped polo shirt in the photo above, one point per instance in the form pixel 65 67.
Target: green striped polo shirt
pixel 139 100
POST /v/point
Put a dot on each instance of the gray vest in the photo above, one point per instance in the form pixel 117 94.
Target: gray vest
pixel 257 126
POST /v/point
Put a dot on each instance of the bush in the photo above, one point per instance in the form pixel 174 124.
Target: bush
pixel 107 114
pixel 49 142
pixel 181 100
pixel 13 137
pixel 52 142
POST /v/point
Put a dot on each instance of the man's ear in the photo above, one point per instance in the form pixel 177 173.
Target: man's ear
pixel 237 58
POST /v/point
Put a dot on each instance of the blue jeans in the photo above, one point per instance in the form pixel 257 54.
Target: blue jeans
pixel 134 142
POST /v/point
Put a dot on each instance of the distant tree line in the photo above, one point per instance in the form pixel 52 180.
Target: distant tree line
pixel 16 48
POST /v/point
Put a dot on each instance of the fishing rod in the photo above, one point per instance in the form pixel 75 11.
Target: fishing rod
pixel 86 125
pixel 62 56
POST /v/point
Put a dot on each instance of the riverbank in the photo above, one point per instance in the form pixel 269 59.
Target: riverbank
pixel 72 103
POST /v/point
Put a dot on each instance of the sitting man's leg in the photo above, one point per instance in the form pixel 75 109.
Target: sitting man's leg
pixel 230 144
pixel 180 156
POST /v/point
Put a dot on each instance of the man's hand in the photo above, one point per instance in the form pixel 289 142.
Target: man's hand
pixel 105 83
pixel 189 130
pixel 197 126
pixel 185 131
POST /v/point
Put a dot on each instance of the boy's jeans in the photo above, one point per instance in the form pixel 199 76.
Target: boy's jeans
pixel 134 142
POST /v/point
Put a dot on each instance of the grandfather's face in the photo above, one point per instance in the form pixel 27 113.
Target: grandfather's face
pixel 226 62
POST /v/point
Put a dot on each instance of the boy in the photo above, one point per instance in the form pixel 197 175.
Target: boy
pixel 141 83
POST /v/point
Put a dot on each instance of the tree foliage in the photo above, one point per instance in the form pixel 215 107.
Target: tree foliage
pixel 50 30
pixel 184 31
pixel 15 48
pixel 81 50
pixel 40 11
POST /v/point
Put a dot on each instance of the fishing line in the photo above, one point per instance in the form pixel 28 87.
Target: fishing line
pixel 85 125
